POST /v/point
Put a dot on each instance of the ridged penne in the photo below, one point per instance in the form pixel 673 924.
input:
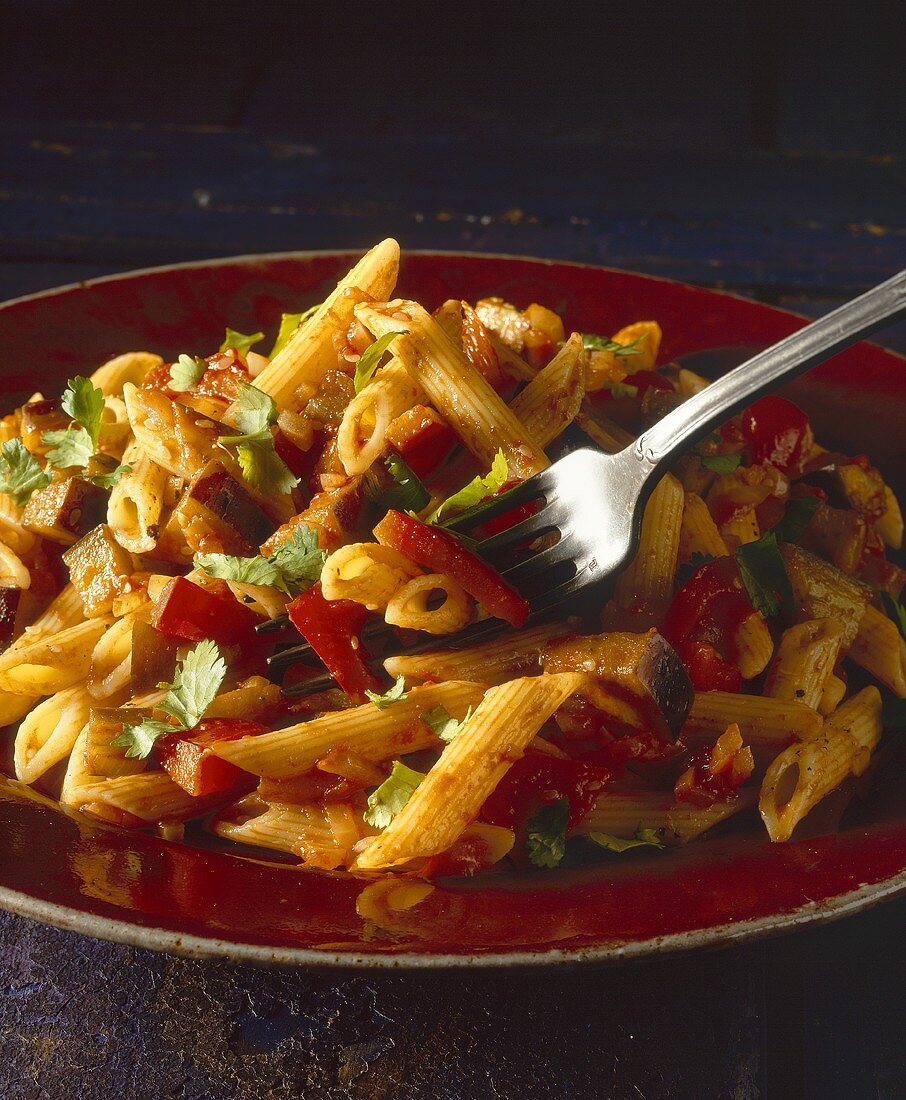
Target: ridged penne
pixel 366 573
pixel 367 731
pixel 804 661
pixel 881 650
pixel 491 663
pixel 169 433
pixel 450 796
pixel 295 372
pixel 48 733
pixel 361 438
pixel 410 607
pixel 698 531
pixel 648 580
pixel 803 774
pixel 461 393
pixel 622 813
pixel 549 403
pixel 754 646
pixel 763 722
pixel 137 501
pixel 53 662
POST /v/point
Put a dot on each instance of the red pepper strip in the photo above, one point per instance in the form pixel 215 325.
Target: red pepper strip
pixel 535 781
pixel 332 628
pixel 443 553
pixel 707 670
pixel 775 431
pixel 190 763
pixel 185 610
pixel 422 438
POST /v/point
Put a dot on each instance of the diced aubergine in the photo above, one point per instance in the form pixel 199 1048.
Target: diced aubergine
pixel 99 569
pixel 9 607
pixel 66 510
pixel 217 515
pixel 820 591
pixel 636 680
pixel 153 658
pixel 105 724
pixel 38 417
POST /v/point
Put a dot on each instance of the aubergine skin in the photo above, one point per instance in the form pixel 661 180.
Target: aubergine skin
pixel 637 680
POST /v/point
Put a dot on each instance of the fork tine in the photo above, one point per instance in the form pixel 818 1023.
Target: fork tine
pixel 473 635
pixel 524 531
pixel 373 630
pixel 534 568
pixel 497 506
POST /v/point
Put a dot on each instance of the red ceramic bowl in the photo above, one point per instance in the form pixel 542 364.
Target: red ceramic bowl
pixel 141 890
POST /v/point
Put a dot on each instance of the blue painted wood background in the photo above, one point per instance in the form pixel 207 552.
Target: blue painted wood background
pixel 755 146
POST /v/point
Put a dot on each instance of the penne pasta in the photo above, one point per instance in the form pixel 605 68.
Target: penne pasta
pixel 361 438
pixel 462 394
pixel 111 377
pixel 295 372
pixel 881 650
pixel 804 661
pixel 805 773
pixel 648 581
pixel 49 732
pixel 764 723
pixel 136 502
pixel 550 402
pixel 623 813
pixel 470 767
pixel 367 731
pixel 698 531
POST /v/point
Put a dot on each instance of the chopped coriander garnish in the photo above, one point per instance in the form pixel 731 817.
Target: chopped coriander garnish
pixel 592 342
pixel 476 491
pixel 443 723
pixel 392 795
pixel 721 464
pixel 195 684
pixel 390 696
pixel 186 372
pixel 239 341
pixel 370 359
pixel 293 567
pixel 20 472
pixel 546 837
pixel 289 322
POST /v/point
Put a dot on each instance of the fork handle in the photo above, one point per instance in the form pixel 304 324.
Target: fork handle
pixel 794 355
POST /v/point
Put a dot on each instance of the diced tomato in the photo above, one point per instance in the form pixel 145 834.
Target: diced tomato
pixel 509 519
pixel 422 438
pixel 443 553
pixel 642 746
pixel 707 670
pixel 468 856
pixel 333 629
pixel 535 781
pixel 715 773
pixel 186 610
pixel 190 763
pixel 776 431
pixel 221 378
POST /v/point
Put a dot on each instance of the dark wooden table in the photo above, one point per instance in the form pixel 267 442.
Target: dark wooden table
pixel 721 152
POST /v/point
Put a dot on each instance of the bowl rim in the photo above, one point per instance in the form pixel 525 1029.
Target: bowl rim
pixel 139 935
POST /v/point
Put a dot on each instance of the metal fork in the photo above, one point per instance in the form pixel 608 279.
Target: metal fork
pixel 592 502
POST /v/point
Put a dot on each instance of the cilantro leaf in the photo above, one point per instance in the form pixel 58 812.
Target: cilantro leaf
pixel 242 343
pixel 392 795
pixel 721 464
pixel 289 322
pixel 72 446
pixel 109 481
pixel 390 696
pixel 476 491
pixel 408 494
pixel 764 575
pixel 893 713
pixel 261 466
pixel 138 740
pixel 195 684
pixel 196 681
pixel 546 838
pixel 186 372
pixel 796 519
pixel 895 611
pixel 370 359
pixel 644 838
pixel 592 342
pixel 84 402
pixel 299 559
pixel 20 472
pixel 255 570
pixel 443 723
pixel 292 567
pixel 255 409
